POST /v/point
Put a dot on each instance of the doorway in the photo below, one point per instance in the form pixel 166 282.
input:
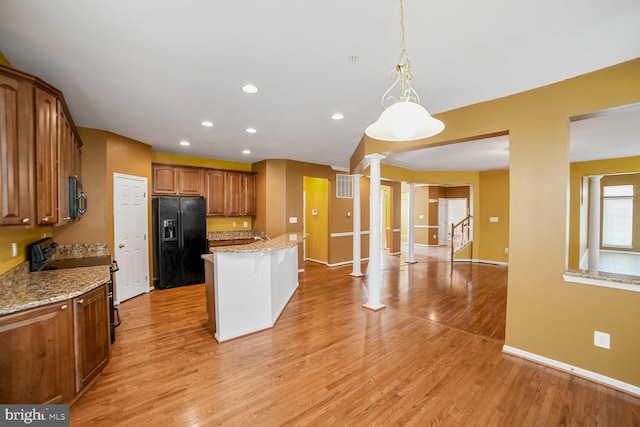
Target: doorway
pixel 130 234
pixel 450 211
pixel 316 219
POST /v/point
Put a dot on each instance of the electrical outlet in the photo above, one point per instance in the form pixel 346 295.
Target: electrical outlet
pixel 245 224
pixel 233 224
pixel 506 250
pixel 14 249
pixel 434 236
pixel 601 339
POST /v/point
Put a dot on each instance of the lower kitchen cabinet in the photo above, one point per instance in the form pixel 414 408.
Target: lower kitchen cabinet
pixel 91 330
pixel 36 361
pixel 51 353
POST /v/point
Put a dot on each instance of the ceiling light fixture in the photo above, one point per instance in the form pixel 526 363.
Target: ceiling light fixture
pixel 185 143
pixel 249 88
pixel 206 124
pixel 251 130
pixel 337 116
pixel 246 151
pixel 403 119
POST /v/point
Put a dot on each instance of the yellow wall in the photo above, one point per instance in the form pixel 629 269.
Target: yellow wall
pixel 494 202
pixel 179 159
pixel 582 169
pixel 317 198
pixel 4 60
pixel 23 237
pixel 546 315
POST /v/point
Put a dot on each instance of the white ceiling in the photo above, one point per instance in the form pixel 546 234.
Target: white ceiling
pixel 152 70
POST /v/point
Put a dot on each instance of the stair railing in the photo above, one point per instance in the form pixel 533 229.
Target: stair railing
pixel 460 235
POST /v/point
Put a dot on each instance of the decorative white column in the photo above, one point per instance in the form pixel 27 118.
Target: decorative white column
pixel 357 252
pixel 374 233
pixel 594 223
pixel 412 222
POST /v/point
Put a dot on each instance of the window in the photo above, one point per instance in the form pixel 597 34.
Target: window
pixel 617 216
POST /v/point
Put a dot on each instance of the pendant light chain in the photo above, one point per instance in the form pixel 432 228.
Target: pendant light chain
pixel 402 22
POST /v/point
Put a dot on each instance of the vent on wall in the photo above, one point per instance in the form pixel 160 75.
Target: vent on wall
pixel 344 186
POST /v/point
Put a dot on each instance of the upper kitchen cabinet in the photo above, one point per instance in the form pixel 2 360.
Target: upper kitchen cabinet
pixel 41 149
pixel 17 204
pixel 230 193
pixel 177 181
pixel 190 182
pixel 249 194
pixel 215 192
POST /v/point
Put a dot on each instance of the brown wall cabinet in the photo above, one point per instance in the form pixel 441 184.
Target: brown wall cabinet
pixel 177 181
pixel 45 346
pixel 42 151
pixel 16 154
pixel 228 193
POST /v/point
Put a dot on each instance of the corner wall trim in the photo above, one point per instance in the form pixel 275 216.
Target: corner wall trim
pixel 593 376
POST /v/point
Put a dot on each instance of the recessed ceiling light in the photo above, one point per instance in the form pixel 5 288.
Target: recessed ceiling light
pixel 337 116
pixel 246 151
pixel 207 124
pixel 249 88
pixel 185 143
pixel 251 130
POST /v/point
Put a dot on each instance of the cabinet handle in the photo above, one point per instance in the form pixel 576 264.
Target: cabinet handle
pixel 45 219
pixel 63 307
pixel 25 220
pixel 66 218
pixel 80 301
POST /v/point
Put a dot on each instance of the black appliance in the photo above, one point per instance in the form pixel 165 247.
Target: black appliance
pixel 179 240
pixel 77 199
pixel 42 258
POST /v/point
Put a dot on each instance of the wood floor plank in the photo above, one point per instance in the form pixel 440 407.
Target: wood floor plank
pixel 431 357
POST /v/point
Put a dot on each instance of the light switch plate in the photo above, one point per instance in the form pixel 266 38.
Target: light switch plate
pixel 293 220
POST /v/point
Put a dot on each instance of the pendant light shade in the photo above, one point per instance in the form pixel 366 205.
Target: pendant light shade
pixel 404 121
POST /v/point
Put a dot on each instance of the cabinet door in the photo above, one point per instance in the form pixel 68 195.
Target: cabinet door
pixel 36 358
pixel 190 182
pixel 65 165
pixel 249 194
pixel 16 148
pixel 46 158
pixel 91 329
pixel 234 193
pixel 164 179
pixel 215 192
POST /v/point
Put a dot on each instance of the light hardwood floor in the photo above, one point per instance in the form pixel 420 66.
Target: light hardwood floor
pixel 431 357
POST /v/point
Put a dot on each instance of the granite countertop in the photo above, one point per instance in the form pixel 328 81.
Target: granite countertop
pixel 230 235
pixel 605 277
pixel 21 289
pixel 287 240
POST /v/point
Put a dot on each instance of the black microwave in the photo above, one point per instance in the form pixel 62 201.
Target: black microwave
pixel 77 199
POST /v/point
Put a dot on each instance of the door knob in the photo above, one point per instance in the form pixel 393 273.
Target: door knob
pixel 121 246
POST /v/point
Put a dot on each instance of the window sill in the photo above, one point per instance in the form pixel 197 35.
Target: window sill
pixel 607 280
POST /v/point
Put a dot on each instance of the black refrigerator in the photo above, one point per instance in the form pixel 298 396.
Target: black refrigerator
pixel 179 239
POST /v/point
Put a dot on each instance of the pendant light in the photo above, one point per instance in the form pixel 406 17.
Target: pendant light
pixel 403 119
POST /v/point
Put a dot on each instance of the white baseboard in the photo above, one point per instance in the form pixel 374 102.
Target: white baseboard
pixel 501 264
pixel 593 376
pixel 337 264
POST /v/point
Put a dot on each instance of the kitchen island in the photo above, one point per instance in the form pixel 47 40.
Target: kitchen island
pixel 248 287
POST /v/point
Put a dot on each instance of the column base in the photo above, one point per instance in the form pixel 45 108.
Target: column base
pixel 356 274
pixel 411 262
pixel 374 307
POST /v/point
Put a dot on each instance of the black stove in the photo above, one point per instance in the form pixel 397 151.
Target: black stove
pixel 42 258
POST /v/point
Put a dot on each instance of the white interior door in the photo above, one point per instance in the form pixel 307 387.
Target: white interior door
pixel 130 225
